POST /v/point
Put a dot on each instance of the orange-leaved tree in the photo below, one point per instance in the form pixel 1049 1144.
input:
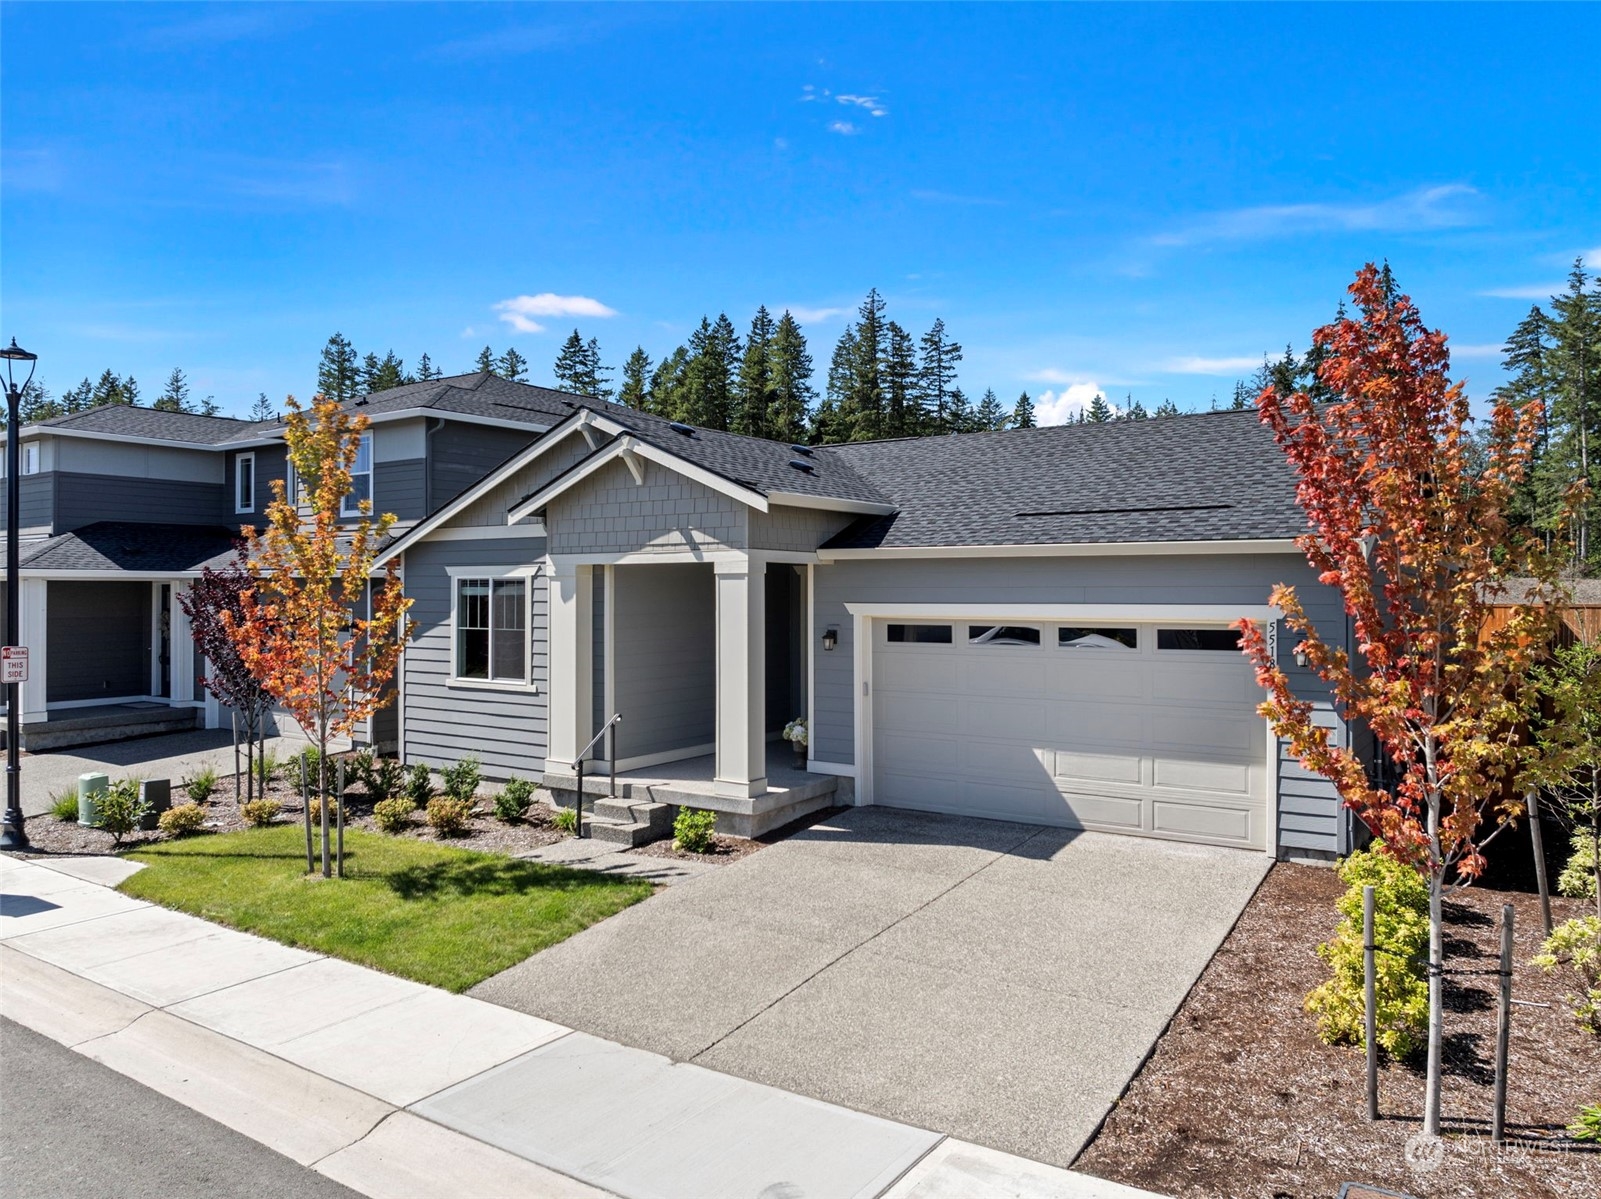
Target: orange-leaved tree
pixel 1407 518
pixel 320 631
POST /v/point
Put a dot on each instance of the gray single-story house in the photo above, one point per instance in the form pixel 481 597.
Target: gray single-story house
pixel 1029 625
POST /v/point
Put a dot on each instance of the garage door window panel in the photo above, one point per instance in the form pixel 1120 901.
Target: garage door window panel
pixel 1115 639
pixel 1199 640
pixel 919 634
pixel 1003 634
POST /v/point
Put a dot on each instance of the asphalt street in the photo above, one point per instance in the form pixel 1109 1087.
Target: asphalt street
pixel 72 1129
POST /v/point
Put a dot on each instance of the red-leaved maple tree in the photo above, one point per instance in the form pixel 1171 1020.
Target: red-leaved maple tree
pixel 320 632
pixel 1407 518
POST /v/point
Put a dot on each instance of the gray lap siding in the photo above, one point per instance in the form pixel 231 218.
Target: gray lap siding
pixel 505 729
pixel 1309 810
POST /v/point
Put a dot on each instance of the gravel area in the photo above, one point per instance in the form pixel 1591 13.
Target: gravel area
pixel 1240 1098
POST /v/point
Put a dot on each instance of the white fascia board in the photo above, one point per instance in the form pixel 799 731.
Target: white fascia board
pixel 561 483
pixel 27 432
pixel 629 444
pixel 1219 614
pixel 792 499
pixel 1082 549
pixel 745 495
pixel 121 576
pixel 421 530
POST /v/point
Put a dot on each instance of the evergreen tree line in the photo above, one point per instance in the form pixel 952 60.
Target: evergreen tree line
pixel 343 373
pixel 110 388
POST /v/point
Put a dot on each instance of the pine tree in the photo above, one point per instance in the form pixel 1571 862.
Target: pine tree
pixel 175 397
pixel 599 373
pixel 112 390
pixel 1573 452
pixel 513 366
pixel 1023 413
pixel 1134 411
pixel 708 394
pixel 36 404
pixel 936 377
pixel 208 406
pixel 754 383
pixel 78 398
pixel 1166 408
pixel 339 371
pixel 262 409
pixel 1243 395
pixel 130 390
pixel 485 363
pixel 635 392
pixel 959 413
pixel 902 412
pixel 1099 411
pixel 990 415
pixel 572 366
pixel 668 383
pixel 831 421
pixel 792 394
pixel 369 373
pixel 386 373
pixel 867 402
pixel 426 370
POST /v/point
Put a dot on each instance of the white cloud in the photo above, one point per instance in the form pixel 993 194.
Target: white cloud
pixel 844 127
pixel 1533 291
pixel 871 103
pixel 1212 366
pixel 519 310
pixel 1592 258
pixel 1490 350
pixel 1444 206
pixel 1059 407
pixel 813 316
pixel 469 331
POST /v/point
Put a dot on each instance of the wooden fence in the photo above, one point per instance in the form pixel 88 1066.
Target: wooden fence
pixel 1580 622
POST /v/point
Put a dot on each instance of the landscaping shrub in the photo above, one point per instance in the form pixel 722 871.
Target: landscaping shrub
pixel 694 830
pixel 315 805
pixel 1576 944
pixel 64 806
pixel 259 813
pixel 461 780
pixel 360 764
pixel 1401 931
pixel 268 766
pixel 566 819
pixel 184 818
pixel 311 757
pixel 121 809
pixel 448 815
pixel 419 785
pixel 381 778
pixel 513 799
pixel 1588 1125
pixel 202 784
pixel 393 815
pixel 1578 876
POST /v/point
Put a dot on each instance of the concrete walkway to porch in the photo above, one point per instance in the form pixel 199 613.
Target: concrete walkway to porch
pixel 401 1091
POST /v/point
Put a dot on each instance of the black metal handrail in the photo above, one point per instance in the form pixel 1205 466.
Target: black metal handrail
pixel 611 752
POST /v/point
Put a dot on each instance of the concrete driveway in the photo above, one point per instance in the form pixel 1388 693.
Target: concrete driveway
pixel 997 982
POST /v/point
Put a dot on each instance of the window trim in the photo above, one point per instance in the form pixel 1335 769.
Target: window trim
pixel 243 501
pixel 1037 630
pixel 355 510
pixel 494 574
pixel 31 459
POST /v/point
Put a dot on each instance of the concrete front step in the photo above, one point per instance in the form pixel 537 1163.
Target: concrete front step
pixel 94 728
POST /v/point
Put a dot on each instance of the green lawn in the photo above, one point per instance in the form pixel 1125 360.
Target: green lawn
pixel 445 916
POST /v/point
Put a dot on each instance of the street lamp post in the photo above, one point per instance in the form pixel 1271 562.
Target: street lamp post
pixel 14 834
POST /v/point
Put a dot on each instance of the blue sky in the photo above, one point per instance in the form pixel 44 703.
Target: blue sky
pixel 1139 198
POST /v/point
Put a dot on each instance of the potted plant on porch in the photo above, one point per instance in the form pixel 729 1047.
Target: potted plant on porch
pixel 795 734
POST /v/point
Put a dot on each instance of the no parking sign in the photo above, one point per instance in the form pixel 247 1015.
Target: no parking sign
pixel 13 664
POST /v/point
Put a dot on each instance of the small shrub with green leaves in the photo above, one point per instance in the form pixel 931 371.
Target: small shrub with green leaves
pixel 1576 945
pixel 1401 931
pixel 566 820
pixel 311 758
pixel 461 780
pixel 381 778
pixel 1578 876
pixel 1587 1126
pixel 182 818
pixel 448 815
pixel 695 830
pixel 121 808
pixel 268 767
pixel 419 785
pixel 64 806
pixel 513 799
pixel 360 764
pixel 393 815
pixel 259 813
pixel 315 805
pixel 202 784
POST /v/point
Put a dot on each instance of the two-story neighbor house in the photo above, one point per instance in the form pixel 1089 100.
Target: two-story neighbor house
pixel 1030 625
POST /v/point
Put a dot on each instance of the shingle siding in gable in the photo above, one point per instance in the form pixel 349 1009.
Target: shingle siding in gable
pixel 797 529
pixel 608 513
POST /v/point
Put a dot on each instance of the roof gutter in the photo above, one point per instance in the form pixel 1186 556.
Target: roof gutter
pixel 1081 549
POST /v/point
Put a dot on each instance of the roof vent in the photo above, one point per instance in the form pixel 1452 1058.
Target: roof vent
pixel 802 449
pixel 361 401
pixel 802 464
pixel 680 427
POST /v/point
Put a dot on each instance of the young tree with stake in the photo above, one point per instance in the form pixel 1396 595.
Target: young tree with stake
pixel 1410 524
pixel 300 629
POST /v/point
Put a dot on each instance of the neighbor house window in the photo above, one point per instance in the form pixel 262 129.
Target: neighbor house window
pixel 1002 634
pixel 244 483
pixel 30 458
pixel 1202 639
pixel 492 630
pixel 921 634
pixel 1098 638
pixel 360 479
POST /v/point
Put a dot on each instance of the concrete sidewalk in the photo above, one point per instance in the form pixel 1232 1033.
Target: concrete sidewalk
pixel 400 1091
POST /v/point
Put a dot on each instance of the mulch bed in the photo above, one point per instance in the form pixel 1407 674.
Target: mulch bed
pixel 1240 1099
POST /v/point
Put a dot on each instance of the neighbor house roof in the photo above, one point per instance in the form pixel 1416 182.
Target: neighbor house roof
pixel 480 394
pixel 127 546
pixel 130 420
pixel 1207 477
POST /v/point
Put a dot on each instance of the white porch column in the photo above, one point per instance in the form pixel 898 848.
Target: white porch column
pixel 32 614
pixel 183 649
pixel 741 677
pixel 572 624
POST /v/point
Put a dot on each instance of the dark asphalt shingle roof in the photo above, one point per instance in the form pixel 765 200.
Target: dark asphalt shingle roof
pixel 481 394
pixel 1207 477
pixel 124 545
pixel 129 420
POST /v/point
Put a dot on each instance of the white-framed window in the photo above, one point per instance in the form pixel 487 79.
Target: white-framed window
pixel 1113 638
pixel 244 483
pixel 360 479
pixel 30 457
pixel 490 629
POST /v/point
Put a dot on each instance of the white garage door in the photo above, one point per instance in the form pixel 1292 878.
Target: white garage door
pixel 1146 729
